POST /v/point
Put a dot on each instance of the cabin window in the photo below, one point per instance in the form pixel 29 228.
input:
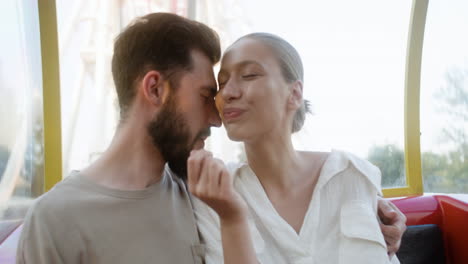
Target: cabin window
pixel 86 33
pixel 444 98
pixel 358 62
pixel 354 59
pixel 21 118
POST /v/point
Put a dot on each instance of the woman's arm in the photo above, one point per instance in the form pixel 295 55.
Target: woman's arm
pixel 209 180
pixel 237 243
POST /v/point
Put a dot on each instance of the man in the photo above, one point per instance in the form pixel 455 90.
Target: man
pixel 128 206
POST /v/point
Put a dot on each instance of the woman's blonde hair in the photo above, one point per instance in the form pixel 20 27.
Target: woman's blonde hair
pixel 291 68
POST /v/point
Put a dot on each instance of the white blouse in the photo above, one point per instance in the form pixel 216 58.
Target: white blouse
pixel 340 226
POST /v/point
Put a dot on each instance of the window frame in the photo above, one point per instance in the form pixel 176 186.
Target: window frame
pixel 412 101
pixel 51 94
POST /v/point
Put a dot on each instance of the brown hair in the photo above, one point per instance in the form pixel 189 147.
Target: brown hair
pixel 291 68
pixel 162 42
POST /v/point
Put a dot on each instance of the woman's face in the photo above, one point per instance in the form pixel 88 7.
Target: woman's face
pixel 253 95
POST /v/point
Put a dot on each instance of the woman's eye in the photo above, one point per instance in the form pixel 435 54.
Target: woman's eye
pixel 249 76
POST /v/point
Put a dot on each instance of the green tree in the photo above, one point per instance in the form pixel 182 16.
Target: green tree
pixel 452 103
pixel 390 159
pixel 434 170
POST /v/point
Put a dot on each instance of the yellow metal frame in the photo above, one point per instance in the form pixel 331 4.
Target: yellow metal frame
pixel 52 117
pixel 51 93
pixel 412 98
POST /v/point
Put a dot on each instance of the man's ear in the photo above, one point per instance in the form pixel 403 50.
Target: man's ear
pixel 295 96
pixel 154 88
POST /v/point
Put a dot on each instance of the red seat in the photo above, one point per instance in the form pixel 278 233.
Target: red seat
pixel 449 212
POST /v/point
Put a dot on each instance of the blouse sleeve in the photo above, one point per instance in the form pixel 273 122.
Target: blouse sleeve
pixel 361 239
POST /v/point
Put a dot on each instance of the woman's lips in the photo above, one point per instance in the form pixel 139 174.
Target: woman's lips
pixel 231 114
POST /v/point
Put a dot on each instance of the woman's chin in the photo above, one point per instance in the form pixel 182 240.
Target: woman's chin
pixel 235 135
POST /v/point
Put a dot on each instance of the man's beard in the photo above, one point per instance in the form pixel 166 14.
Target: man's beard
pixel 171 136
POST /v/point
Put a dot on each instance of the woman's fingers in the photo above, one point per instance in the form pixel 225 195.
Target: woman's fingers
pixel 210 181
pixel 225 183
pixel 195 166
pixel 214 167
pixel 204 174
pixel 207 180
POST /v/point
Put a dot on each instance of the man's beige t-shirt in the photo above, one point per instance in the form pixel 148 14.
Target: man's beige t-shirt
pixel 82 222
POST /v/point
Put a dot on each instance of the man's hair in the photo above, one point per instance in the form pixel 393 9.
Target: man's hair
pixel 162 42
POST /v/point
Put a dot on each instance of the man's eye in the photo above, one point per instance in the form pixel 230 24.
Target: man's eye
pixel 207 98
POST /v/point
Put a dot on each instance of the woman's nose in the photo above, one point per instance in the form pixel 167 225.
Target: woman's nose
pixel 230 91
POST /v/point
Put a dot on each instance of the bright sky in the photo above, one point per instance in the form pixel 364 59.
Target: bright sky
pixel 354 56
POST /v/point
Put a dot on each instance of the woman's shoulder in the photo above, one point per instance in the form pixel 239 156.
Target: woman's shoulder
pixel 363 166
pixel 338 155
pixel 370 174
pixel 338 161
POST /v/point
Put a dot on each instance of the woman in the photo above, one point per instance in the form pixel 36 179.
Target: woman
pixel 284 206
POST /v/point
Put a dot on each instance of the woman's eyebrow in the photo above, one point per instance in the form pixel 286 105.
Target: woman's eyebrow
pixel 240 64
pixel 222 72
pixel 248 62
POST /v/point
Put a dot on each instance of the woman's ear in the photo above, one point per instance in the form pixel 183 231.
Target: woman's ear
pixel 154 88
pixel 295 96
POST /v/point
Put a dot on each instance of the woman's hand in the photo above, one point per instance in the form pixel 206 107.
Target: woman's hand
pixel 209 180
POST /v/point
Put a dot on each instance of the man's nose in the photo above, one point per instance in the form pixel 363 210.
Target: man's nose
pixel 214 118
